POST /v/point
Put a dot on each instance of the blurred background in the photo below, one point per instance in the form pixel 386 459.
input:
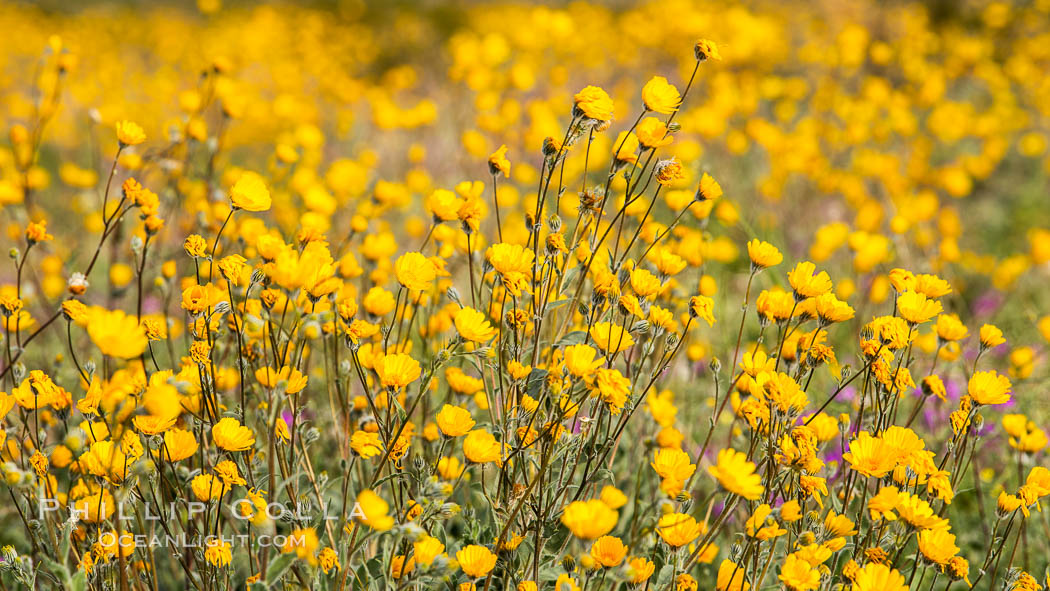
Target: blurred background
pixel 862 135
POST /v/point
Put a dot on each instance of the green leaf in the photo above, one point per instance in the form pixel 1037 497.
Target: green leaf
pixel 375 569
pixel 278 568
pixel 602 475
pixel 57 571
pixel 663 579
pixel 573 338
pixel 66 533
pixel 79 582
pixel 535 381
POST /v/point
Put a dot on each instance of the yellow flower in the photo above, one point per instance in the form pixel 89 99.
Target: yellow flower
pixel 611 338
pixel 916 308
pixel 564 582
pixel 414 271
pixel 775 305
pixel 791 511
pixel 366 444
pixel 87 405
pixel 116 334
pixel 613 497
pixel 400 567
pixel 991 336
pixel 708 189
pixel 1039 479
pixel 608 551
pixel 737 474
pixel 831 309
pixel 197 299
pixel 882 504
pixel 613 388
pixel 129 133
pixel 918 513
pixel 227 472
pixel 75 310
pixel 40 463
pixel 427 549
pixel 95 507
pixel 450 468
pixel 371 510
pixel 989 387
pixel 763 254
pixel 651 133
pixel 669 171
pixel 589 520
pixel 498 162
pixel 644 283
pixel 179 444
pixel 206 487
pixel 481 447
pixel 473 325
pixel 594 103
pixel 153 425
pixel 218 552
pixel 838 525
pixel 397 370
pixel 950 328
pixel 303 542
pixel 476 561
pixel 581 360
pixel 195 246
pixel 231 436
pixel 933 385
pixel 806 283
pixel 797 574
pixel 678 529
pixel 109 543
pixel 461 382
pixel 443 205
pixel 760 526
pixel 639 569
pixel 626 146
pixel 902 280
pixel 38 391
pixel 37 232
pixel 937 545
pixel 932 286
pixel 292 379
pixel 731 577
pixel 660 96
pixel 870 456
pixel 685 582
pixel 669 263
pixel 673 463
pixel 454 420
pixel 782 390
pixel 702 307
pixel 878 577
pixel 663 319
pixel 513 262
pixel 359 329
pixel 232 268
pixel 328 559
pixel 250 193
pixel 470 214
pixel 958 568
pixel 706 49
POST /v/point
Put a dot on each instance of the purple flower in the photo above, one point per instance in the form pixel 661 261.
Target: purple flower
pixel 987 304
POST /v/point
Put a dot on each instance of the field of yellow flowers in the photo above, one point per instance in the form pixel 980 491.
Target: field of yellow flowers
pixel 668 295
